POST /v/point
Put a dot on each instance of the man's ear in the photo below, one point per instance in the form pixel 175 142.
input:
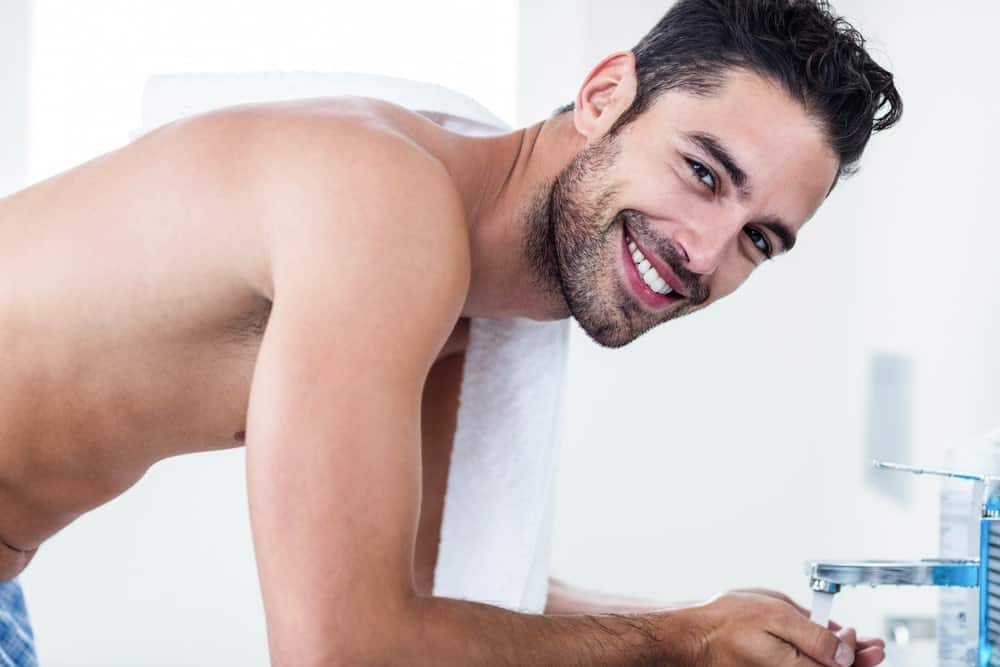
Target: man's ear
pixel 607 92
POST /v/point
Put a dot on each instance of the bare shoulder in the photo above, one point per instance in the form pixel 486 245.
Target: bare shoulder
pixel 343 193
pixel 358 215
pixel 347 173
pixel 332 166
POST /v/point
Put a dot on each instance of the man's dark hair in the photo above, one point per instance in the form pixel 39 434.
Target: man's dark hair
pixel 818 57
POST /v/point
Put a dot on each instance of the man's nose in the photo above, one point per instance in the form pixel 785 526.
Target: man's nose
pixel 704 242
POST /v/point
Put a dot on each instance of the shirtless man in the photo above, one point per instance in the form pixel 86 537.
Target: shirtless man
pixel 299 277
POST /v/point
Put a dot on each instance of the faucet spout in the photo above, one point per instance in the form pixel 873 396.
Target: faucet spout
pixel 823 586
pixel 830 576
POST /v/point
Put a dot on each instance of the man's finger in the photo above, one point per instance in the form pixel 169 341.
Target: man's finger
pixel 874 646
pixel 868 651
pixel 814 641
pixel 869 657
pixel 849 637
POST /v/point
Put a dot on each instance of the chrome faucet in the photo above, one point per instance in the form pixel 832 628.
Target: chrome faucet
pixel 830 577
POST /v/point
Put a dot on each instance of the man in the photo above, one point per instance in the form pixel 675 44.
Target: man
pixel 299 276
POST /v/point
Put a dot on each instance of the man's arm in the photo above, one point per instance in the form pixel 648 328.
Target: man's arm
pixel 370 267
pixel 369 271
pixel 564 598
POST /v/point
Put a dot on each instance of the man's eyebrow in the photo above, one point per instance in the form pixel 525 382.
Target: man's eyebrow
pixel 714 147
pixel 780 229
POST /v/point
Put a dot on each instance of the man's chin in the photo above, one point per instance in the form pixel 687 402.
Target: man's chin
pixel 610 341
pixel 610 333
pixel 615 332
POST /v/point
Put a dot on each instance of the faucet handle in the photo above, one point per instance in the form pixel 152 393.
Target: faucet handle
pixel 987 487
pixel 900 467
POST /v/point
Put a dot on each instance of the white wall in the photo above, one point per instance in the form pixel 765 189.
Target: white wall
pixel 164 575
pixel 725 449
pixel 15 16
pixel 92 58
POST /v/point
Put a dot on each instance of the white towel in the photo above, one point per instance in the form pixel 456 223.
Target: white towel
pixel 496 528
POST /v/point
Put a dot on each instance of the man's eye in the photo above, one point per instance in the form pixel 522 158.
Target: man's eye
pixel 703 174
pixel 760 241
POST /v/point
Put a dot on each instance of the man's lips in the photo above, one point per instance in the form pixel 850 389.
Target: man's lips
pixel 661 267
pixel 652 300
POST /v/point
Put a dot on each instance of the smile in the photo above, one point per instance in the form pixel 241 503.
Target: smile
pixel 646 282
pixel 646 270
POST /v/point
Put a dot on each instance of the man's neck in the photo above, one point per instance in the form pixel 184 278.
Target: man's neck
pixel 500 178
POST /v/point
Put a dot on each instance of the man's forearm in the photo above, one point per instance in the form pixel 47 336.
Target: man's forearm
pixel 564 598
pixel 447 631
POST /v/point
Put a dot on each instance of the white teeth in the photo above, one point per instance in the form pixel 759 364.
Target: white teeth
pixel 655 282
pixel 648 273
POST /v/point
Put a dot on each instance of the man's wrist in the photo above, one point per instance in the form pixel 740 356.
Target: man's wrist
pixel 688 642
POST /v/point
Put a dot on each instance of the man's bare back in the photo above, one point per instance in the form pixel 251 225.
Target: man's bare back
pixel 136 297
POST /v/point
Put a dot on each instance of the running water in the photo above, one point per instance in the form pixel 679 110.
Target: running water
pixel 822 603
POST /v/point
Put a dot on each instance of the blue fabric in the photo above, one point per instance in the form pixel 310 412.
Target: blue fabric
pixel 17 642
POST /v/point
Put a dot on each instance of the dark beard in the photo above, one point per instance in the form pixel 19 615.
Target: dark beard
pixel 569 249
pixel 539 251
pixel 566 247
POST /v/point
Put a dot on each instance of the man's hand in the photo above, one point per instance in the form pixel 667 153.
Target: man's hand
pixel 567 599
pixel 868 650
pixel 754 628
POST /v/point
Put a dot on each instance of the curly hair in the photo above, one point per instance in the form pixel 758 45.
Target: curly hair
pixel 818 57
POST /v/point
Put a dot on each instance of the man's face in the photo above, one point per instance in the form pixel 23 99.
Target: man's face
pixel 679 207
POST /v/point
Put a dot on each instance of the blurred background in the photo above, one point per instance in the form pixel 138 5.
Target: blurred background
pixel 720 451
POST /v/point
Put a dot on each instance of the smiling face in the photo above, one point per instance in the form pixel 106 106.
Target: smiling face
pixel 676 210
